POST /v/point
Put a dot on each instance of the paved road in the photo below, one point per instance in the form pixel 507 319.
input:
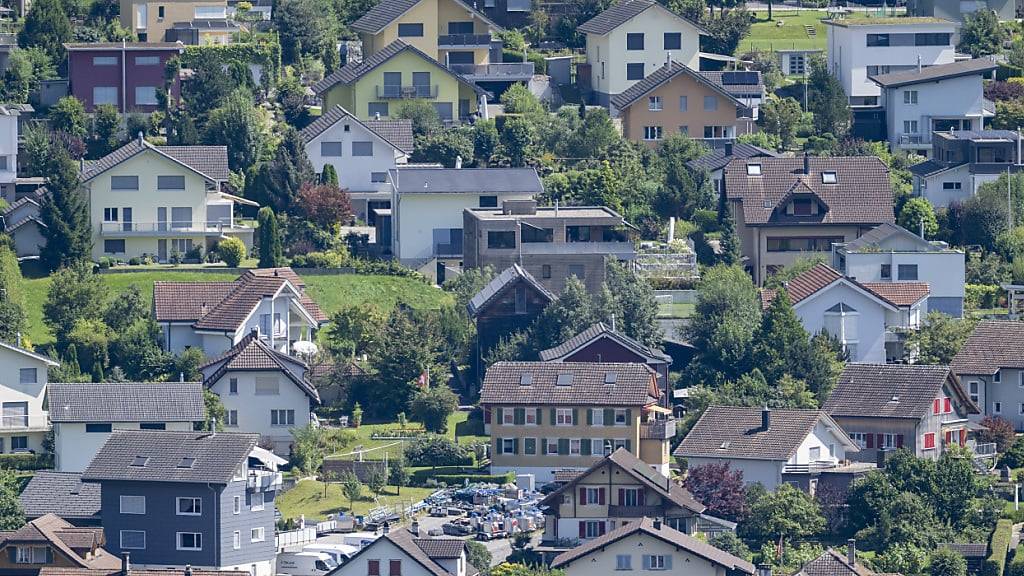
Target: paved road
pixel 499 549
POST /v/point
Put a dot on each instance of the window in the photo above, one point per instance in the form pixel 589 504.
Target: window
pixel 507 445
pixel 378 177
pixel 563 417
pixel 19 443
pixel 672 41
pixel 652 132
pixel 753 169
pixel 133 504
pixel 635 41
pixel 947 406
pixel 929 441
pixel 377 109
pixel 710 103
pixel 488 201
pixel 110 214
pixel 654 103
pixel 236 505
pixel 877 40
pixel 174 183
pixel 574 447
pixel 267 386
pixel 551 446
pixel 952 185
pixel 860 439
pixel 886 272
pixel 658 562
pixel 545 271
pixel 782 244
pixel 972 389
pixel 591 529
pixel 233 386
pixel 362 148
pixel 206 12
pixel 907 271
pixel 814 453
pixel 998 376
pixel 621 416
pixel 394 568
pixel 719 131
pixel 256 502
pixel 682 103
pixel 190 506
pixel 32 555
pixel 152 426
pixel 592 496
pixel 104 60
pixel 145 96
pixel 282 417
pixel 529 445
pixel 104 95
pixel 531 416
pixel 373 567
pixel 190 541
pixel 124 182
pixel 330 149
pixel 501 239
pixel 635 71
pixel 828 178
pixel 147 60
pixel 236 540
pixel 630 497
pixel 133 539
pixel 910 126
pixel 910 96
pixel 578 271
pixel 231 418
pixel 931 39
pixel 803 207
pixel 159 15
pixel 181 245
pixel 28 376
pixel 532 234
pixel 410 30
pixel 997 407
pixel 97 428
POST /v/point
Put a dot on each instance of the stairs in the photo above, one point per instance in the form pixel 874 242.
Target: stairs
pixel 812 32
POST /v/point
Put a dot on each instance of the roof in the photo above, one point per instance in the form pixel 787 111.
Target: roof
pixel 60 571
pixel 601 330
pixel 466 180
pixel 929 168
pixel 397 133
pixel 902 294
pixel 353 71
pixel 663 532
pixel 500 283
pixel 618 14
pixel 716 158
pixel 29 353
pixel 832 563
pixel 134 46
pixel 384 13
pixel 441 547
pixel 969 549
pixel 862 193
pixel 60 493
pixel 126 402
pixel 888 21
pixel 994 344
pixel 892 390
pixel 80 546
pixel 214 457
pixel 874 237
pixel 1001 135
pixel 976 66
pixel 736 432
pixel 739 84
pixel 210 162
pixel 822 276
pixel 250 354
pixel 664 74
pixel 583 383
pixel 424 551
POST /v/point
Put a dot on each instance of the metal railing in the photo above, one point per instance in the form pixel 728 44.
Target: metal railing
pixel 985 449
pixel 912 139
pixel 808 467
pixel 658 430
pixel 464 40
pixel 22 421
pixel 399 91
pixel 500 70
pixel 448 249
pixel 118 228
pixel 263 480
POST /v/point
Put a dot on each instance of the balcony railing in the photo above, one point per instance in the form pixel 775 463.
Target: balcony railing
pixel 634 511
pixel 144 228
pixel 623 250
pixel 658 430
pixel 396 91
pixel 263 480
pixel 985 449
pixel 808 467
pixel 915 139
pixel 447 250
pixel 501 71
pixel 464 40
pixel 23 422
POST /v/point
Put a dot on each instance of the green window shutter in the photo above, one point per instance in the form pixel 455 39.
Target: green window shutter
pixel 585 446
pixel 543 445
pixel 537 412
pixel 497 445
pixel 575 416
pixel 529 445
pixel 553 419
pixel 515 445
pixel 563 446
pixel 497 412
pixel 629 445
pixel 519 416
pixel 590 417
pixel 609 417
pixel 629 417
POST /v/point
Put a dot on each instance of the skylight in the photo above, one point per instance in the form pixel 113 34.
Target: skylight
pixel 140 461
pixel 610 377
pixel 828 177
pixel 564 380
pixel 186 462
pixel 525 379
pixel 753 169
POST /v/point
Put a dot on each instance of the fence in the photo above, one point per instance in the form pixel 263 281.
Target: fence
pixel 283 540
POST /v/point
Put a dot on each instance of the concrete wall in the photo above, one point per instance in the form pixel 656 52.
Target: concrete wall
pixel 383 551
pixel 74 448
pixel 28 239
pixel 943 271
pixel 84 74
pixel 765 472
pixel 9 148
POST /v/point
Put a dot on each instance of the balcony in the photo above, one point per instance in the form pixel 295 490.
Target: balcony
pixel 447 250
pixel 621 250
pixel 984 450
pixel 658 430
pixel 915 139
pixel 394 91
pixel 263 480
pixel 506 71
pixel 123 229
pixel 23 423
pixel 809 467
pixel 635 511
pixel 447 41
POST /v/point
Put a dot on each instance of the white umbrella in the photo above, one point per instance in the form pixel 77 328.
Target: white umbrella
pixel 305 347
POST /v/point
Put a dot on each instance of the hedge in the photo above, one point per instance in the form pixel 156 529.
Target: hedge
pixel 421 476
pixel 1017 564
pixel 999 547
pixel 26 461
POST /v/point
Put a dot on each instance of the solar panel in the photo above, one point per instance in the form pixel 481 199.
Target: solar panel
pixel 739 78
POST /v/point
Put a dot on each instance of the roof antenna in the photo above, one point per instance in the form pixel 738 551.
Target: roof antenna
pixel 181 376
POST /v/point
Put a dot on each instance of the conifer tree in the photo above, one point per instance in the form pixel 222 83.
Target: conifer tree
pixel 329 175
pixel 46 26
pixel 271 252
pixel 65 213
pixel 729 241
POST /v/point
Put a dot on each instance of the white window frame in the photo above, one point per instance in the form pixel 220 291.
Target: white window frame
pixel 623 562
pixel 253 506
pixel 508 445
pixel 997 407
pixel 563 417
pixel 237 505
pixel 551 443
pixel 910 96
pixel 258 534
pixel 236 540
pixel 197 541
pixel 657 562
pixel 121 539
pixel 860 439
pixel 597 416
pixel 534 413
pixel 653 133
pixel 574 447
pixel 197 503
pixel 132 498
pixel 654 103
pixel 508 417
pixel 621 412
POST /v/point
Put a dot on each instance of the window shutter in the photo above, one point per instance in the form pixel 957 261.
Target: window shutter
pixel 668 562
pixel 947 405
pixel 641 497
pixel 585 446
pixel 497 413
pixel 543 445
pixel 622 496
pixel 499 445
pixel 590 416
pixel 881 440
pixel 647 562
pixel 629 416
pixel 553 419
pixel 583 529
pixel 12 554
pixel 963 437
pixel 871 440
pixel 935 406
pixel 575 416
pixel 600 496
pixel 583 496
pixel 600 525
pixel 537 413
pixel 609 417
pixel 519 416
pixel 563 446
pixel 515 445
pixel 49 555
pixel 899 440
pixel 629 445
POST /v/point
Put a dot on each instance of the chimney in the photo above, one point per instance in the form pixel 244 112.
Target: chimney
pixel 141 139
pixel 657 523
pixel 188 570
pixel 764 570
pixel 458 162
pixel 807 164
pixel 851 552
pixel 766 418
pixel 415 528
pixel 126 564
pixel 19 339
pixel 387 528
pixel 728 148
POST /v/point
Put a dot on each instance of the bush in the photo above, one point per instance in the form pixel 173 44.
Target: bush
pixel 1014 455
pixel 1017 565
pixel 105 262
pixel 330 259
pixel 436 450
pixel 982 295
pixel 998 547
pixel 420 478
pixel 25 461
pixel 706 220
pixel 232 251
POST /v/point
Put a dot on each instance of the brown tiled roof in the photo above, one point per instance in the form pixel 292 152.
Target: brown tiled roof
pixel 862 193
pixel 594 332
pixel 53 530
pixel 231 312
pixel 251 353
pixel 290 275
pixel 899 293
pixel 811 281
pixel 892 390
pixel 666 73
pixel 821 276
pixel 621 12
pixel 663 532
pixel 736 432
pixel 584 383
pixel 404 540
pixel 441 547
pixel 994 344
pixel 185 301
pixel 832 563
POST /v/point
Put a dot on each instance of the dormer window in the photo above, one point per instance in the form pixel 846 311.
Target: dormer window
pixel 753 169
pixel 140 461
pixel 803 207
pixel 828 178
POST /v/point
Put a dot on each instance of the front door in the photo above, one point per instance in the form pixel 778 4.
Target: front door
pixel 161 249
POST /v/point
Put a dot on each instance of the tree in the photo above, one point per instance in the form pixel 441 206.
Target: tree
pixel 271 252
pixel 634 304
pixel 12 516
pixel 959 485
pixel 240 126
pixel 12 296
pixel 726 316
pixel 981 34
pixel 517 140
pixel 68 116
pixel 292 96
pixel 277 183
pixel 351 488
pixel 719 488
pixel 940 337
pixel 325 205
pixel 786 514
pixel 424 117
pixel 1014 455
pixel 433 407
pixel 106 130
pixel 405 350
pixel 781 117
pixel 434 450
pixel 567 316
pixel 329 176
pixel 485 140
pixel 376 480
pixel 75 294
pixel 946 562
pixel 518 99
pixel 828 100
pixel 594 135
pixel 725 31
pixel 309 449
pixel 478 556
pixel 731 250
pixel 46 27
pixel 232 251
pixel 209 88
pixel 26 68
pixel 215 411
pixel 305 28
pixel 984 215
pixel 65 215
pixel 355 329
pixel 917 214
pixel 445 148
pixel 398 473
pixel 998 430
pixel 683 192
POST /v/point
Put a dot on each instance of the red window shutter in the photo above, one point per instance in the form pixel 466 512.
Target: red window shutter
pixel 622 496
pixel 600 528
pixel 373 567
pixel 583 529
pixel 487 415
pixel 899 440
pixel 935 406
pixel 929 440
pixel 395 568
pixel 641 497
pixel 963 437
pixel 600 496
pixel 947 406
pixel 871 440
pixel 948 436
pixel 583 496
pixel 881 440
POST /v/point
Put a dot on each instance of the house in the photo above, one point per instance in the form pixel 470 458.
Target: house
pixel 23 224
pixel 651 545
pixel 127 75
pixel 632 39
pixel 796 61
pixel 63 494
pixel 991 366
pixel 127 570
pixel 549 416
pixel 551 242
pixel 921 408
pixel 49 541
pixel 23 378
pixel 859 48
pixel 870 319
pixel 963 160
pixel 8 152
pixel 833 563
pixel 263 391
pixel 161 201
pixel 159 21
pixel 427 207
pixel 377 86
pixel 957 12
pixel 940 98
pixel 361 154
pixel 215 316
pixel 400 552
pixel 769 446
pixel 614 491
pixel 675 98
pixel 721 153
pixel 187 498
pixel 889 253
pixel 85 414
pixel 785 208
pixel 218 30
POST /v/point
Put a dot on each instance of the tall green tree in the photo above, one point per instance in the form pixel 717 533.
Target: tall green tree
pixel 781 117
pixel 940 337
pixel 566 317
pixel 406 349
pixel 982 34
pixel 47 27
pixel 726 316
pixel 946 562
pixel 12 516
pixel 305 28
pixel 782 346
pixel 26 68
pixel 240 126
pixel 270 248
pixel 65 213
pixel 684 190
pixel 729 242
pixel 917 215
pixel 75 294
pixel 12 296
pixel 784 515
pixel 828 101
pixel 106 133
pixel 277 183
pixel 433 406
pixel 68 116
pixel 517 140
pixel 634 304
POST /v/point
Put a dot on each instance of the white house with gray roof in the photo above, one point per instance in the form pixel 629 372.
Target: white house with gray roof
pixel 85 414
pixel 23 378
pixel 400 552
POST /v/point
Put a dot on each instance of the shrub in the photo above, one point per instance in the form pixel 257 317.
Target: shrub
pixel 1014 455
pixel 105 262
pixel 436 450
pixel 982 295
pixel 998 547
pixel 25 461
pixel 332 259
pixel 1017 565
pixel 706 220
pixel 232 251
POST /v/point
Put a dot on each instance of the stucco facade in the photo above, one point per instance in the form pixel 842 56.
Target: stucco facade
pixel 23 380
pixel 150 20
pixel 913 112
pixel 8 152
pixel 999 394
pixel 443 27
pixel 129 76
pixel 75 443
pixel 864 337
pixel 251 399
pixel 638 546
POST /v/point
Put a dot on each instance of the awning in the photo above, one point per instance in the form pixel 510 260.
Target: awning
pixel 238 199
pixel 659 409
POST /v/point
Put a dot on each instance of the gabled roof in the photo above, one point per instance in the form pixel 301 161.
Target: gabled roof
pixel 716 158
pixel 618 14
pixel 973 67
pixel 354 71
pixel 832 563
pixel 582 383
pixel 879 234
pixel 80 546
pixel 663 532
pixel 396 133
pixel 930 168
pixel 126 402
pixel 424 551
pixel 466 180
pixel 902 294
pixel 210 162
pixel 252 354
pixel 891 295
pixel 994 344
pixel 385 13
pixel 663 75
pixel 212 457
pixel 497 286
pixel 28 353
pixel 595 332
pixel 892 390
pixel 736 432
pixel 61 493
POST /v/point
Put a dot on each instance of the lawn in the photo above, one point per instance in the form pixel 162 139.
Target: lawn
pixel 675 310
pixel 768 35
pixel 307 497
pixel 459 428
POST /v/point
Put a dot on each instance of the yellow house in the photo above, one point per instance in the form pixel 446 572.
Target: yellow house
pixel 375 87
pixel 190 21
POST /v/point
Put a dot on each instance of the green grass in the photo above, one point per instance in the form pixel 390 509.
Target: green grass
pixel 307 498
pixel 675 310
pixel 766 35
pixel 460 428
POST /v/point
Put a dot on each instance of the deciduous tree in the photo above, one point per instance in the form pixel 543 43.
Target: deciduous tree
pixel 325 205
pixel 719 488
pixel 47 27
pixel 433 406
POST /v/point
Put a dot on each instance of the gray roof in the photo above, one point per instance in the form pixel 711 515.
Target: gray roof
pixel 716 158
pixel 601 330
pixel 569 384
pixel 60 493
pixel 832 563
pixel 666 73
pixel 1007 135
pixel 892 391
pixel 397 133
pixel 214 456
pixel 253 354
pixel 28 353
pixel 211 162
pixel 622 12
pixel 931 167
pixel 466 180
pixel 882 232
pixel 126 402
pixel 385 13
pixel 993 345
pixel 500 283
pixel 976 66
pixel 738 83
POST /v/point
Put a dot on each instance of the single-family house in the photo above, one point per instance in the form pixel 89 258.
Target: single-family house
pixel 785 208
pixel 51 542
pixel 193 22
pixel 990 364
pixel 796 61
pixel 889 253
pixel 632 39
pixel 834 563
pixel 918 407
pixel 614 491
pixel 63 494
pixel 215 316
pixel 85 414
pixel 403 553
pixel 720 154
pixel 361 154
pixel 376 87
pixel 549 416
pixel 203 499
pixel 263 391
pixel 649 544
pixel 769 446
pixel 958 11
pixel 963 160
pixel 23 382
pixel 127 75
pixel 8 151
pixel 22 223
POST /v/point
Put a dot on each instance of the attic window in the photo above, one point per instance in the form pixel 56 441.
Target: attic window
pixel 348 128
pixel 753 169
pixel 564 380
pixel 610 377
pixel 140 461
pixel 186 462
pixel 828 177
pixel 895 398
pixel 525 379
pixel 724 446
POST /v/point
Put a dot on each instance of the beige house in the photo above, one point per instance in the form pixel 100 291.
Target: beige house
pixel 22 388
pixel 545 417
pixel 191 21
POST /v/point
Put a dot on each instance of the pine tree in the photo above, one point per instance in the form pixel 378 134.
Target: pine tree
pixel 46 26
pixel 782 345
pixel 729 242
pixel 65 214
pixel 329 175
pixel 635 305
pixel 566 317
pixel 271 252
pixel 277 183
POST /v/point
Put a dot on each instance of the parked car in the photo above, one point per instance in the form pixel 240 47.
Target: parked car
pixel 305 563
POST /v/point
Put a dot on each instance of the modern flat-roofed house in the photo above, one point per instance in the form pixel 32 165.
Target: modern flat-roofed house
pixel 921 408
pixel 893 254
pixel 963 160
pixel 168 21
pixel 214 316
pixel 399 551
pixel 770 446
pixel 786 208
pixel 84 415
pixel 63 494
pixel 361 154
pixel 990 365
pixel 23 378
pixel 632 39
pixel 127 75
pixel 957 11
pixel 51 542
pixel 550 416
